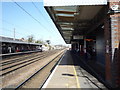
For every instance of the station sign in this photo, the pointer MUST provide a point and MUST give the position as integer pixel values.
(77, 37)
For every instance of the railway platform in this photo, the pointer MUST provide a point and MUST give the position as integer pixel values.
(69, 74)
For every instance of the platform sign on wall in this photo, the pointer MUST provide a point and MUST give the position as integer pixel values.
(77, 37)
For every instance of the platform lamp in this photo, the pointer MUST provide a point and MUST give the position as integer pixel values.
(114, 10)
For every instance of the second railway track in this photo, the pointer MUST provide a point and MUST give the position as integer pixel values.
(9, 67)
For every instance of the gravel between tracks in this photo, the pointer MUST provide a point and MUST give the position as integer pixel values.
(13, 79)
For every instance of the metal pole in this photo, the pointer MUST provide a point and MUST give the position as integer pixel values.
(14, 33)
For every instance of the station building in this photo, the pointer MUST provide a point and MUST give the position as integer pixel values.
(11, 45)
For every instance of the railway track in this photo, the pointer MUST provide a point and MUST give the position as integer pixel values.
(37, 79)
(9, 59)
(17, 63)
(18, 55)
(19, 59)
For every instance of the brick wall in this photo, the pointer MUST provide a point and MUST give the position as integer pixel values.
(115, 38)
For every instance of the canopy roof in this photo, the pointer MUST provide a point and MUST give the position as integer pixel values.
(74, 22)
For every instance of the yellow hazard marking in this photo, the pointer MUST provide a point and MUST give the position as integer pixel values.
(78, 85)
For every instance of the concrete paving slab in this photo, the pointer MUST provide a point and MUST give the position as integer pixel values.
(68, 75)
(64, 76)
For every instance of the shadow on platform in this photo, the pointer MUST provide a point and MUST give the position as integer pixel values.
(92, 67)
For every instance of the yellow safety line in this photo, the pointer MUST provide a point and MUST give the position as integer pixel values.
(78, 85)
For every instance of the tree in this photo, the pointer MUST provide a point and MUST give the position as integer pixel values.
(45, 44)
(31, 38)
(48, 41)
(39, 41)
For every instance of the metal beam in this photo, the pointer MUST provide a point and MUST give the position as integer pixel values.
(65, 12)
(64, 18)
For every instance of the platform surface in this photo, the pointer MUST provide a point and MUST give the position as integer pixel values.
(68, 75)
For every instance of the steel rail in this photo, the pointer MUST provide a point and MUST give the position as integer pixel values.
(33, 60)
(29, 54)
(23, 59)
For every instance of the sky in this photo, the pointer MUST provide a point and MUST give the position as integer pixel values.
(39, 24)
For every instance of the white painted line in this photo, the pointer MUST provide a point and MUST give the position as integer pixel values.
(48, 80)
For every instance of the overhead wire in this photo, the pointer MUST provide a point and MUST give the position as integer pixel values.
(20, 34)
(32, 15)
(40, 12)
(29, 14)
(19, 27)
(13, 24)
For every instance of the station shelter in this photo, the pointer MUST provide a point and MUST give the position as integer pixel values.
(91, 26)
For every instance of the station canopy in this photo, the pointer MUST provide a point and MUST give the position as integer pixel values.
(75, 18)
